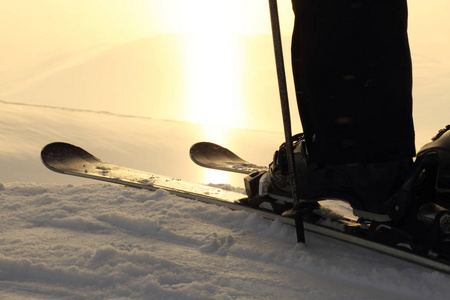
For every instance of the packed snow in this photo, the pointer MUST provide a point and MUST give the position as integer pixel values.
(65, 237)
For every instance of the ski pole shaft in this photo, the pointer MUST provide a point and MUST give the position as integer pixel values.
(282, 86)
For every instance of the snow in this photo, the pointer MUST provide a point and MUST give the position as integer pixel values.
(65, 237)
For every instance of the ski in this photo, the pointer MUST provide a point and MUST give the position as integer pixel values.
(72, 160)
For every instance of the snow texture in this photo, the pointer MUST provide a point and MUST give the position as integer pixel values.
(63, 237)
(105, 241)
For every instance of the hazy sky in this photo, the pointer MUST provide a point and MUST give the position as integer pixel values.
(84, 21)
(31, 28)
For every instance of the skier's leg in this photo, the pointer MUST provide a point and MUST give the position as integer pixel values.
(353, 78)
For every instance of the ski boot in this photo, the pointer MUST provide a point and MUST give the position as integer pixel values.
(365, 187)
(272, 189)
(399, 203)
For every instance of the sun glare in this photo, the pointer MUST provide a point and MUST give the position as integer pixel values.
(213, 67)
(232, 16)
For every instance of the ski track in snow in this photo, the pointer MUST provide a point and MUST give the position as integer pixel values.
(104, 241)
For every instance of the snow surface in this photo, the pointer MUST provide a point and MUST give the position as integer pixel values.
(64, 237)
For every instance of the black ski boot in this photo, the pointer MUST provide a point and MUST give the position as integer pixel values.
(366, 187)
(274, 187)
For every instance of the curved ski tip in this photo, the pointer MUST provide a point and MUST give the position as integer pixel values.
(198, 149)
(60, 151)
(203, 152)
(208, 148)
(201, 148)
(204, 146)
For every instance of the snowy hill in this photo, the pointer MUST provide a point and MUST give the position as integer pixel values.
(63, 237)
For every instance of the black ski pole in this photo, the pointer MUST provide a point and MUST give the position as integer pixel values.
(281, 74)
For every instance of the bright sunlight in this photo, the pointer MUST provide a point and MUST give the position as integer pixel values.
(213, 64)
(213, 73)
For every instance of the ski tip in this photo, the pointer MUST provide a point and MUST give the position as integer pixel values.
(211, 151)
(53, 154)
(210, 155)
(205, 147)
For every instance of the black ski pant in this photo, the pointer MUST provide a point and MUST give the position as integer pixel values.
(353, 77)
